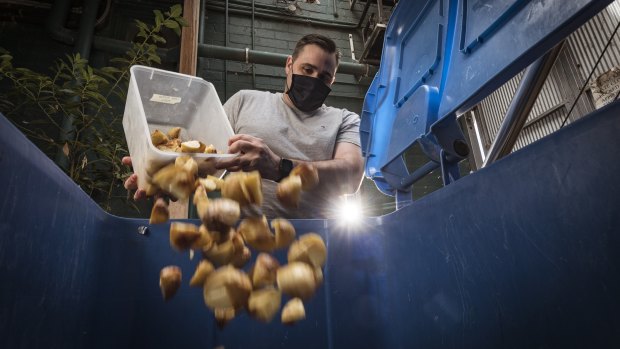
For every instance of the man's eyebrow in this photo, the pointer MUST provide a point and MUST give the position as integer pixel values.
(310, 65)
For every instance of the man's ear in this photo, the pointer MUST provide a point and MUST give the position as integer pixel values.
(288, 68)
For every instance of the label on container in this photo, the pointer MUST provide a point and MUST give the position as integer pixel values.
(165, 99)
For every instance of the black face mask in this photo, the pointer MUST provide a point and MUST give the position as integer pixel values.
(307, 93)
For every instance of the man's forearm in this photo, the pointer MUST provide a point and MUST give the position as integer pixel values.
(342, 176)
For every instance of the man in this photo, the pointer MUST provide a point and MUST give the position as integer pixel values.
(277, 131)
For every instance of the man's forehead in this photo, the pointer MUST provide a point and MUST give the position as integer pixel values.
(315, 55)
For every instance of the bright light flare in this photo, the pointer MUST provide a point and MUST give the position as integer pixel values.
(349, 210)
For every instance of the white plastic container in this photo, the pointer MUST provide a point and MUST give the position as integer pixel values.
(159, 99)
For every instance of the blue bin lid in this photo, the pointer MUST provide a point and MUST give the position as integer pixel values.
(439, 59)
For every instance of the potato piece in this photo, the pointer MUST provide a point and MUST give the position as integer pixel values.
(293, 311)
(173, 145)
(318, 276)
(151, 189)
(201, 209)
(210, 149)
(203, 270)
(200, 195)
(192, 147)
(167, 147)
(289, 191)
(232, 188)
(297, 280)
(158, 138)
(308, 174)
(204, 242)
(183, 235)
(159, 213)
(256, 233)
(309, 249)
(187, 163)
(245, 188)
(223, 316)
(264, 304)
(284, 231)
(201, 200)
(221, 236)
(263, 273)
(241, 257)
(221, 214)
(169, 281)
(218, 181)
(227, 287)
(224, 253)
(175, 181)
(207, 183)
(174, 132)
(220, 254)
(252, 188)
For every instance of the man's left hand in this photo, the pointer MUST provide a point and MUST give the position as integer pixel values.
(253, 155)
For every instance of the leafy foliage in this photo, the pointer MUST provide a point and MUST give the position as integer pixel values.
(90, 100)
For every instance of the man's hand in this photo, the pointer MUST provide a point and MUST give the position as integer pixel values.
(131, 183)
(254, 154)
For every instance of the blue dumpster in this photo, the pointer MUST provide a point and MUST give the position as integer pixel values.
(522, 254)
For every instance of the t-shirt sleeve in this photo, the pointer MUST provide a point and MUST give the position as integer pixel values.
(232, 107)
(349, 129)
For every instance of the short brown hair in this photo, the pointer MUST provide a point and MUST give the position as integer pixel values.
(323, 42)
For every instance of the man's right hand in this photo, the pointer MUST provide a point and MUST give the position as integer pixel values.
(131, 183)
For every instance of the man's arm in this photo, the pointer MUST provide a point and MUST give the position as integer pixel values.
(342, 174)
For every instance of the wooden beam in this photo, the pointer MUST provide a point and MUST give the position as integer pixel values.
(187, 65)
(189, 38)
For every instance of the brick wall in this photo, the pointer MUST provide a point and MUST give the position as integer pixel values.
(280, 36)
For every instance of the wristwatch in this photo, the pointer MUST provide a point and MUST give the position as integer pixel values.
(285, 167)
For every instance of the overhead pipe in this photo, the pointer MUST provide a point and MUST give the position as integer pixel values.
(276, 59)
(60, 10)
(56, 22)
(335, 9)
(227, 39)
(58, 32)
(82, 45)
(252, 28)
(521, 105)
(56, 29)
(235, 8)
(86, 33)
(364, 12)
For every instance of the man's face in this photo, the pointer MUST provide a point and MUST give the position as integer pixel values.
(312, 61)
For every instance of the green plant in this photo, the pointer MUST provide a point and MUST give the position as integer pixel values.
(90, 100)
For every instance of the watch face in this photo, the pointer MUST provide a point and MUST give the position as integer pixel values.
(286, 166)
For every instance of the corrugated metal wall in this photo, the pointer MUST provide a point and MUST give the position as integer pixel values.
(573, 66)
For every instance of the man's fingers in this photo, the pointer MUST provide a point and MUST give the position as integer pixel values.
(240, 146)
(227, 163)
(131, 182)
(241, 136)
(234, 169)
(139, 195)
(126, 160)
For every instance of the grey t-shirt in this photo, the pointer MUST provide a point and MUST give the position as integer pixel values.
(292, 134)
